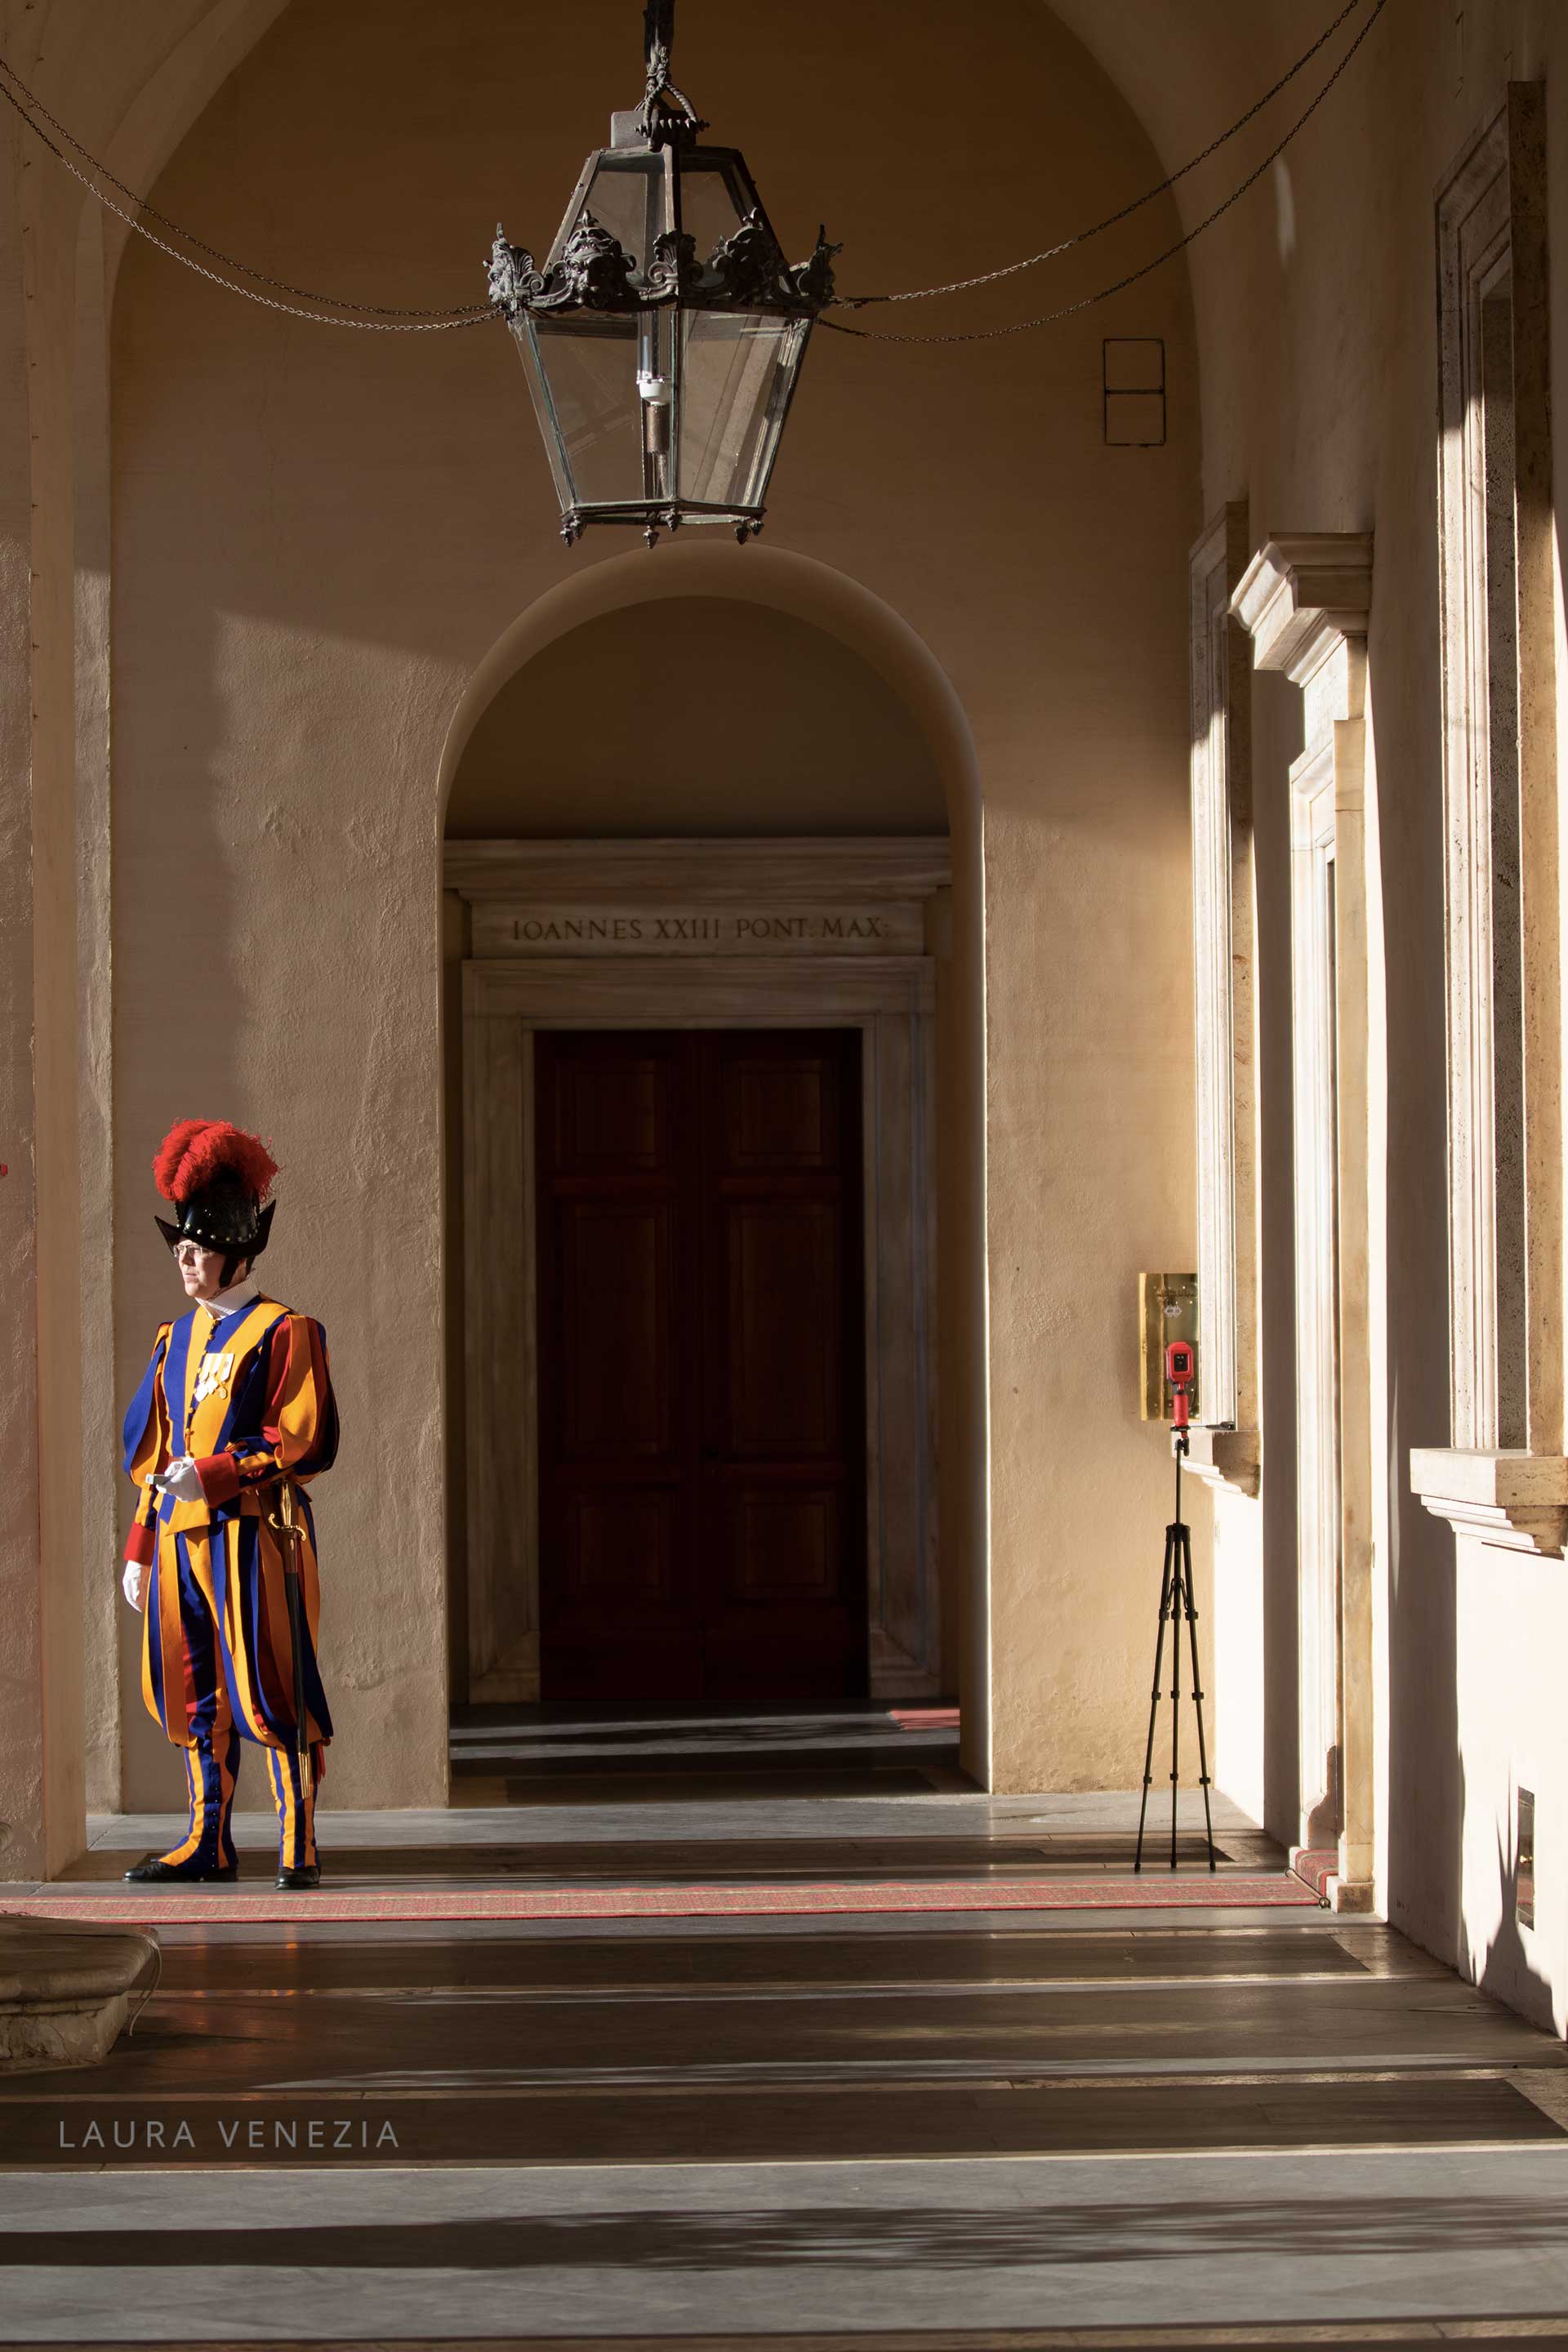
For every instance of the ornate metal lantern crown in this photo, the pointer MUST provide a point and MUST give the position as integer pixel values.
(664, 336)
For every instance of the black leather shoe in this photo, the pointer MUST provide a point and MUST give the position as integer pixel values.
(292, 1881)
(183, 1873)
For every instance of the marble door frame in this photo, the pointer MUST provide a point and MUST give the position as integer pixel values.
(890, 998)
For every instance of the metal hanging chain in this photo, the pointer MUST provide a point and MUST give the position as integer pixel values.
(376, 319)
(1112, 220)
(1087, 301)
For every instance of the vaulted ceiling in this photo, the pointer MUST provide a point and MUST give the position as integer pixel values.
(135, 77)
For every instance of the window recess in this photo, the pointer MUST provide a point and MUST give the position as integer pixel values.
(1503, 1477)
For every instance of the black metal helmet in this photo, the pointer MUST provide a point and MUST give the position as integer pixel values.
(218, 1178)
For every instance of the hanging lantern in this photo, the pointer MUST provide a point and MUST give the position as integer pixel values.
(664, 336)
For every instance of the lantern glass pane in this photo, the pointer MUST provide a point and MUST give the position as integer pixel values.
(629, 195)
(584, 377)
(545, 410)
(714, 201)
(737, 371)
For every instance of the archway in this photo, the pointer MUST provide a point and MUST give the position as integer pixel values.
(718, 821)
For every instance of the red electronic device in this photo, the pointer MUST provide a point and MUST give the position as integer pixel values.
(1176, 1603)
(1181, 1366)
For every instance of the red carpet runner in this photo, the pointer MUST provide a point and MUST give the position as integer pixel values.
(182, 1906)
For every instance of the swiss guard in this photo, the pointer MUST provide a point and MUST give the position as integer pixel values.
(233, 1417)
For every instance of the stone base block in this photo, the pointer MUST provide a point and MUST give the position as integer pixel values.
(65, 1992)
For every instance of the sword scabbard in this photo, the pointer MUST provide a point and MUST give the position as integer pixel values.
(292, 1533)
(291, 1525)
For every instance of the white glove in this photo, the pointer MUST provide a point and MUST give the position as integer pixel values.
(180, 1479)
(131, 1581)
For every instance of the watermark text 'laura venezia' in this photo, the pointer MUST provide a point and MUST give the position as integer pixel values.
(260, 2134)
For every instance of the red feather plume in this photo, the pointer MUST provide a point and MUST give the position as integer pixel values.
(198, 1151)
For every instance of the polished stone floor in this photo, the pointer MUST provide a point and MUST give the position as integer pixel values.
(1099, 2126)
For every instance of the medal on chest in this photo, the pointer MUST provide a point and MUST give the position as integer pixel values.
(209, 1395)
(213, 1376)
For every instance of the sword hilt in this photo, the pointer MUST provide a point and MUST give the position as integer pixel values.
(287, 1521)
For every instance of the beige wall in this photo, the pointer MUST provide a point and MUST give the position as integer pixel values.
(43, 1734)
(35, 1783)
(697, 715)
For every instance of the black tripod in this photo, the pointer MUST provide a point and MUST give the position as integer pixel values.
(1176, 1602)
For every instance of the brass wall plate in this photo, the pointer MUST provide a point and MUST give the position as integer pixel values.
(1167, 1310)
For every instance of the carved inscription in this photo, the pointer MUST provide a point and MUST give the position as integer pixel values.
(896, 927)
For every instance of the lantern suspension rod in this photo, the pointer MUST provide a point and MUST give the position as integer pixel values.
(657, 36)
(1146, 269)
(657, 43)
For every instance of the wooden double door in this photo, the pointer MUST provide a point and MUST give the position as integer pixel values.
(702, 1365)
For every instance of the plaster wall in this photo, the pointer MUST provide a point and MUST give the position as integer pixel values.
(1237, 1635)
(1509, 1715)
(697, 715)
(50, 290)
(318, 538)
(43, 1746)
(25, 1664)
(1316, 306)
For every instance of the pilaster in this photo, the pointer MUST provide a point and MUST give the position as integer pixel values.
(1306, 600)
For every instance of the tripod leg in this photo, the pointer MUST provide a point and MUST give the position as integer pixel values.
(1186, 1575)
(1174, 1540)
(1155, 1694)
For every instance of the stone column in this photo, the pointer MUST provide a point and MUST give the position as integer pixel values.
(42, 1818)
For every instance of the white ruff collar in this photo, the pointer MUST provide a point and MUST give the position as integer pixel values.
(229, 1302)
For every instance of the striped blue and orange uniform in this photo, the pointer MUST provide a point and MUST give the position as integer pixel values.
(245, 1395)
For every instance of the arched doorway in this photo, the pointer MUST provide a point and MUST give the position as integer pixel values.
(699, 981)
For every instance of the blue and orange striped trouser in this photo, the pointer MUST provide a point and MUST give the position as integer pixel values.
(212, 1765)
